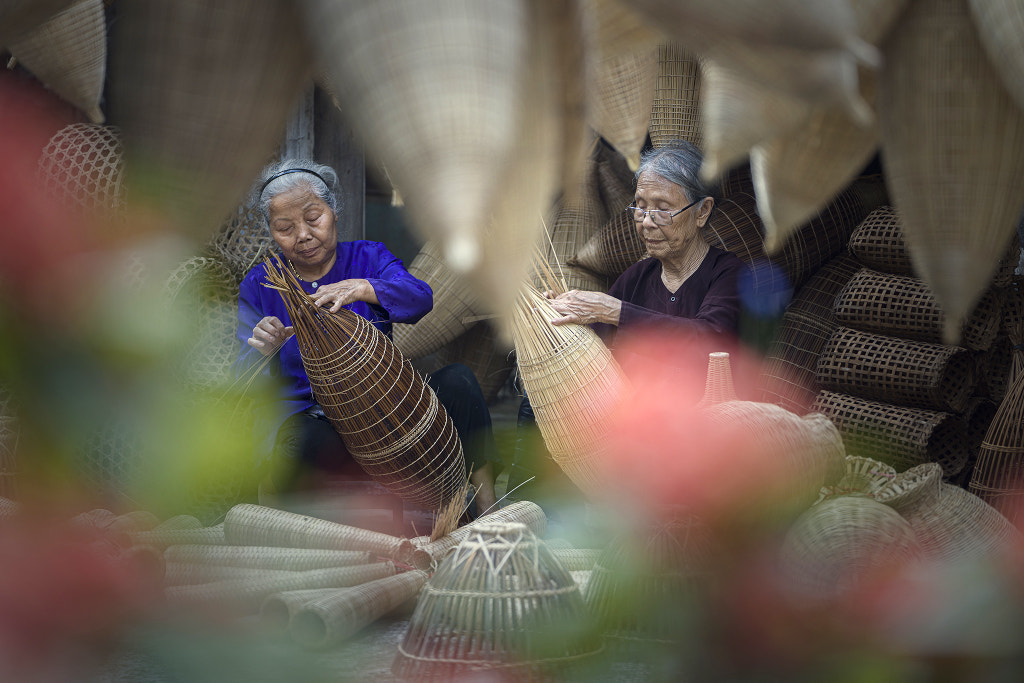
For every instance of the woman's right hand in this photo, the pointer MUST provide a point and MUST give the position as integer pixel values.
(269, 334)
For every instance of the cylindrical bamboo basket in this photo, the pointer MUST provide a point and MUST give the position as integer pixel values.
(502, 604)
(902, 306)
(900, 436)
(265, 557)
(675, 114)
(191, 574)
(162, 538)
(326, 621)
(278, 609)
(878, 243)
(897, 371)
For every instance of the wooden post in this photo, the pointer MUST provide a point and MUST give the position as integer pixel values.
(298, 136)
(335, 145)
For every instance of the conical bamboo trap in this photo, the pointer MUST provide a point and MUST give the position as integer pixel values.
(718, 386)
(501, 604)
(998, 476)
(390, 420)
(675, 113)
(951, 137)
(69, 54)
(574, 220)
(573, 384)
(615, 182)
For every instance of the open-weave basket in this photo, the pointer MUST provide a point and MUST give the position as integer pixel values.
(839, 542)
(788, 376)
(951, 524)
(499, 603)
(998, 476)
(573, 383)
(391, 421)
(265, 557)
(82, 166)
(878, 243)
(897, 371)
(643, 582)
(900, 436)
(902, 306)
(243, 240)
(330, 619)
(68, 54)
(675, 114)
(454, 303)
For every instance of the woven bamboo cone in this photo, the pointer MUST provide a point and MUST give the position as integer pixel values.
(998, 477)
(1000, 24)
(69, 54)
(950, 142)
(246, 595)
(676, 111)
(573, 383)
(265, 557)
(390, 420)
(278, 609)
(328, 621)
(247, 524)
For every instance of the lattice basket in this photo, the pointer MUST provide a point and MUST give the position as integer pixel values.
(878, 243)
(82, 165)
(675, 114)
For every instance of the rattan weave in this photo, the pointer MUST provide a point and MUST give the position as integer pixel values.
(897, 371)
(900, 436)
(950, 132)
(390, 420)
(247, 524)
(326, 621)
(265, 557)
(82, 166)
(68, 54)
(499, 603)
(999, 24)
(905, 307)
(675, 114)
(998, 476)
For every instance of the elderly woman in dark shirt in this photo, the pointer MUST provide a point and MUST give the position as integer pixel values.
(686, 286)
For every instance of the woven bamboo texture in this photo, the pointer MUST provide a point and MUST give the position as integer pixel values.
(840, 542)
(897, 371)
(247, 594)
(454, 302)
(482, 351)
(900, 436)
(278, 609)
(247, 524)
(265, 557)
(191, 574)
(998, 476)
(182, 90)
(9, 508)
(789, 374)
(575, 218)
(390, 420)
(243, 240)
(573, 383)
(905, 307)
(615, 182)
(82, 166)
(613, 248)
(643, 578)
(995, 366)
(68, 53)
(950, 134)
(582, 579)
(951, 524)
(500, 603)
(862, 475)
(878, 243)
(576, 559)
(163, 538)
(327, 621)
(999, 24)
(718, 385)
(675, 114)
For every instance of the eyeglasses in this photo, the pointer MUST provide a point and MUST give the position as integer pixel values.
(659, 216)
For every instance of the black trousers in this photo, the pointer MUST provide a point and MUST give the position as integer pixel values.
(308, 443)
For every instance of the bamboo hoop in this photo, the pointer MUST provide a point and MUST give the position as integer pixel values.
(265, 557)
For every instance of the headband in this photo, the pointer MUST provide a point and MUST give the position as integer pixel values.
(289, 171)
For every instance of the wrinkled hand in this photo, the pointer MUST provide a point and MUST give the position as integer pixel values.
(269, 334)
(339, 294)
(584, 308)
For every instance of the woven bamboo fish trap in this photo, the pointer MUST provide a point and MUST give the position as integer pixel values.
(327, 621)
(905, 307)
(675, 113)
(574, 220)
(482, 351)
(278, 609)
(390, 420)
(454, 303)
(68, 53)
(839, 542)
(789, 374)
(573, 383)
(613, 248)
(81, 166)
(265, 557)
(164, 537)
(247, 524)
(897, 371)
(878, 243)
(862, 475)
(243, 240)
(950, 141)
(1000, 24)
(898, 435)
(245, 595)
(950, 524)
(643, 581)
(499, 603)
(190, 574)
(193, 85)
(998, 476)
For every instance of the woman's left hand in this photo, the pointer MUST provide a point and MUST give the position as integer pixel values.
(585, 308)
(338, 294)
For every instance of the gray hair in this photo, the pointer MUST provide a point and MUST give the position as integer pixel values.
(678, 162)
(325, 186)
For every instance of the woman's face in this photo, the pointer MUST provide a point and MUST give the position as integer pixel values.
(674, 240)
(305, 229)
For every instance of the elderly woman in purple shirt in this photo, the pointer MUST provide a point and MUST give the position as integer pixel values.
(298, 200)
